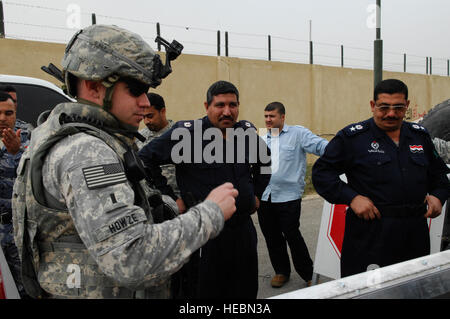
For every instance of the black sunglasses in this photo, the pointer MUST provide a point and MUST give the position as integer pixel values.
(136, 87)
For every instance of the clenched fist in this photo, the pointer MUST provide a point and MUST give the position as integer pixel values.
(224, 196)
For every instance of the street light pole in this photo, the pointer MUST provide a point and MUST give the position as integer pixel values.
(378, 48)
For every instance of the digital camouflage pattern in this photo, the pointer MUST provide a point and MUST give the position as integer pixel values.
(168, 170)
(443, 149)
(100, 51)
(107, 233)
(8, 166)
(150, 135)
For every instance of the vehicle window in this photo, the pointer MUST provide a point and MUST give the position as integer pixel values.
(35, 99)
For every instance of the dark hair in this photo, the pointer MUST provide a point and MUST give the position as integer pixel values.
(156, 101)
(5, 96)
(278, 106)
(221, 87)
(390, 86)
(7, 88)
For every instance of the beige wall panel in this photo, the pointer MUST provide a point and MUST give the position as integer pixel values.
(262, 82)
(184, 90)
(419, 92)
(21, 57)
(341, 97)
(322, 98)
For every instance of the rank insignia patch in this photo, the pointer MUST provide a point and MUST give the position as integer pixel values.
(104, 175)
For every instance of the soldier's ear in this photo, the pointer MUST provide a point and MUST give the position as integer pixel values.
(92, 91)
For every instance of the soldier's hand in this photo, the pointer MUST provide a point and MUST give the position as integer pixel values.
(434, 206)
(364, 208)
(11, 140)
(224, 196)
(181, 206)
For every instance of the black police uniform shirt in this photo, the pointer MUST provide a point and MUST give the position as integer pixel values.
(377, 168)
(196, 180)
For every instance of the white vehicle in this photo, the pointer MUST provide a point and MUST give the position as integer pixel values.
(34, 96)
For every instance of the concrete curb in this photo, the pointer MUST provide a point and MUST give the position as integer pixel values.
(311, 196)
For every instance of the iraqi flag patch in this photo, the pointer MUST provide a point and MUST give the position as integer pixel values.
(104, 175)
(416, 148)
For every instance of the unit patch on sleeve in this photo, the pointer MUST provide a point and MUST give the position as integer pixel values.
(104, 175)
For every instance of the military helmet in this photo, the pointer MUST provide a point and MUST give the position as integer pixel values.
(107, 53)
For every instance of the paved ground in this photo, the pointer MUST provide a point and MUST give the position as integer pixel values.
(309, 227)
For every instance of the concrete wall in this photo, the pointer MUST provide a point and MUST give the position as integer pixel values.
(21, 57)
(322, 98)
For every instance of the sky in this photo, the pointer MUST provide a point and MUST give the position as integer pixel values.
(417, 28)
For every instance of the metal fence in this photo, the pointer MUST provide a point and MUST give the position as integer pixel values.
(202, 41)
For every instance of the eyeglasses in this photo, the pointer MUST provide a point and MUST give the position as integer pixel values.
(387, 107)
(136, 87)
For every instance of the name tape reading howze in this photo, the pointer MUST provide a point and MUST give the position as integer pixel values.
(118, 225)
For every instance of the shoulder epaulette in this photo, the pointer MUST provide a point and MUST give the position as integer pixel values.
(356, 128)
(186, 124)
(245, 124)
(417, 127)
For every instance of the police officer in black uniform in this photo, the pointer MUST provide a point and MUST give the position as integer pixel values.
(227, 266)
(395, 180)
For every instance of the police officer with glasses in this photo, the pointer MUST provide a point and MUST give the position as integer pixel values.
(395, 181)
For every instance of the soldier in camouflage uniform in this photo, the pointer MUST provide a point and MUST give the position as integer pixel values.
(443, 149)
(82, 219)
(156, 124)
(14, 139)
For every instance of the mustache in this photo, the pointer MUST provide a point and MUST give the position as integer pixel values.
(226, 117)
(391, 118)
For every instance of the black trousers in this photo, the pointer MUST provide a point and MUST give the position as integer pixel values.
(280, 225)
(225, 267)
(382, 242)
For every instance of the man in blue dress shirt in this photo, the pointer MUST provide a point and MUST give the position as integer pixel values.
(279, 212)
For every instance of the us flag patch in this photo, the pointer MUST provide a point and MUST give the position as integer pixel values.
(104, 175)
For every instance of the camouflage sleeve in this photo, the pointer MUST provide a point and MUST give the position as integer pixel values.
(443, 149)
(118, 234)
(168, 170)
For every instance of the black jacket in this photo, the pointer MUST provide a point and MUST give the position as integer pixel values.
(202, 163)
(376, 168)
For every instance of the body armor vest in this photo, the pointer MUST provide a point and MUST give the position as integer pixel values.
(52, 252)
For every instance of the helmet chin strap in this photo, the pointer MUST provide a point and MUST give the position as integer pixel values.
(109, 83)
(107, 100)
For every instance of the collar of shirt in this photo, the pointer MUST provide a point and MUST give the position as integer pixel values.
(164, 129)
(206, 123)
(146, 132)
(285, 129)
(405, 132)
